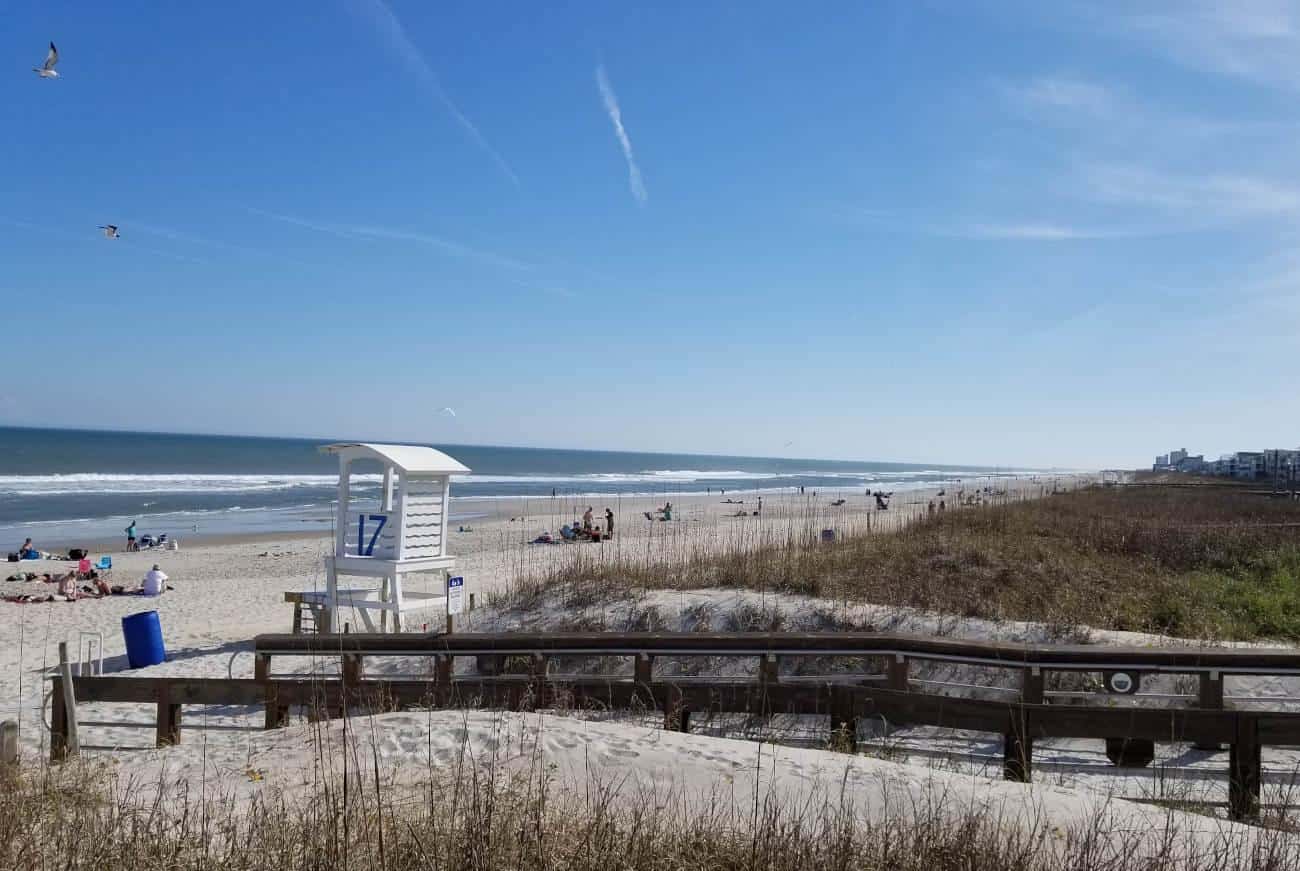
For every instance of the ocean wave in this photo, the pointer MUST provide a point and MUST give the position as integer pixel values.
(94, 483)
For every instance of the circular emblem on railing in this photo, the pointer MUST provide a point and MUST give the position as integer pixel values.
(1121, 682)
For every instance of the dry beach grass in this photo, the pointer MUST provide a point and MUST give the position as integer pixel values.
(1206, 562)
(482, 814)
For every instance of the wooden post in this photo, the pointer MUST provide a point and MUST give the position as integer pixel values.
(1018, 749)
(1031, 685)
(769, 669)
(643, 669)
(262, 667)
(9, 743)
(537, 673)
(898, 673)
(58, 723)
(169, 718)
(1244, 770)
(352, 669)
(844, 721)
(677, 718)
(1210, 698)
(73, 744)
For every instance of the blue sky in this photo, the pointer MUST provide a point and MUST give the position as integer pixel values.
(1016, 233)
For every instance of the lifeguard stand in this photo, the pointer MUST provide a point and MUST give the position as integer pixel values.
(399, 534)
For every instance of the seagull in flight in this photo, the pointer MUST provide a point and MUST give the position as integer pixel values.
(110, 231)
(47, 70)
(449, 411)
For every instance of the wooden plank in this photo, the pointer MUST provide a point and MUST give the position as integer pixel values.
(991, 653)
(185, 691)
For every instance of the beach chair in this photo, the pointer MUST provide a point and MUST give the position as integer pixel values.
(105, 564)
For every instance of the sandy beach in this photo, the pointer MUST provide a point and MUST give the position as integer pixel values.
(227, 591)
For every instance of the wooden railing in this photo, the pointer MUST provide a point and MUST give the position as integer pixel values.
(888, 693)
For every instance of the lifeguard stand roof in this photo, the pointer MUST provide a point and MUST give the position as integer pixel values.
(409, 459)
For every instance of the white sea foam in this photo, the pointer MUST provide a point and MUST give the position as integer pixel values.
(93, 483)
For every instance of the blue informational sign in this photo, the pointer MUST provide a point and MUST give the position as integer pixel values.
(455, 595)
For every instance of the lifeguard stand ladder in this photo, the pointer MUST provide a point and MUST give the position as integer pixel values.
(401, 533)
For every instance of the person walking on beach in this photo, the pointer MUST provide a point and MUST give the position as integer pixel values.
(609, 522)
(130, 536)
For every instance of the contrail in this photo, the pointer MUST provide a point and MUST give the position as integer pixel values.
(390, 28)
(616, 118)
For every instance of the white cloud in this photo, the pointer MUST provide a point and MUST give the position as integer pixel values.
(1064, 93)
(616, 118)
(1257, 40)
(390, 29)
(1032, 232)
(1200, 197)
(993, 230)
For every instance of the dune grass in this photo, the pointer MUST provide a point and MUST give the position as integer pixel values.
(1205, 562)
(485, 817)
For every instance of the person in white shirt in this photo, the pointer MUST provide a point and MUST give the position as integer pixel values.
(153, 582)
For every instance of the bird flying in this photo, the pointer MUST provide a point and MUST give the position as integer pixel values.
(449, 411)
(47, 70)
(110, 231)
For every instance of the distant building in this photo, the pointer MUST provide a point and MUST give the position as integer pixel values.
(1274, 464)
(1282, 464)
(1249, 465)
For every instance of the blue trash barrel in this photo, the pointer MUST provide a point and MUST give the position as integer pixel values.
(144, 641)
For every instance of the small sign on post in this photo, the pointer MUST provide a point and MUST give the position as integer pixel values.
(455, 595)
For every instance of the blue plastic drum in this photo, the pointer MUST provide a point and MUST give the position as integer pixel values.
(144, 641)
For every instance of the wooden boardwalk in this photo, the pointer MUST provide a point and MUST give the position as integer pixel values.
(523, 670)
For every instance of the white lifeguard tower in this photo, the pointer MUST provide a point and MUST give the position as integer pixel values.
(401, 533)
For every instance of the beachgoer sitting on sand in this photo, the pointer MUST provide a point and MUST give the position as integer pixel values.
(568, 533)
(102, 587)
(153, 582)
(68, 585)
(544, 538)
(28, 551)
(881, 505)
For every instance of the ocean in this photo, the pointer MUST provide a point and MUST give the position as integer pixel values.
(61, 486)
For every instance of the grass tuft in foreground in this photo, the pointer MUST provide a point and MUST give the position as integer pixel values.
(477, 819)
